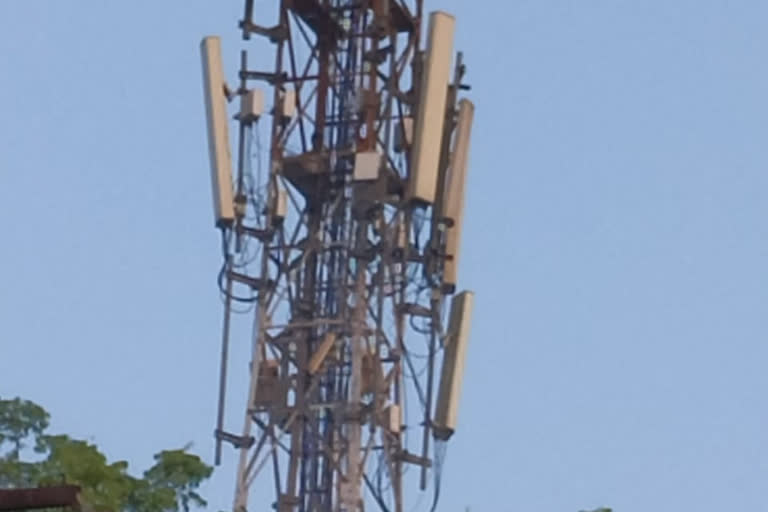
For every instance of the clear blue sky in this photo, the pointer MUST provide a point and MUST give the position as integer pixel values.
(617, 240)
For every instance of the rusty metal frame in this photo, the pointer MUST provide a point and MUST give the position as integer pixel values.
(302, 258)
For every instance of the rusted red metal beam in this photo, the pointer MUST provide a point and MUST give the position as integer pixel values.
(43, 497)
(317, 16)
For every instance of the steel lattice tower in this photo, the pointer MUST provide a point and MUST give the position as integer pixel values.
(347, 247)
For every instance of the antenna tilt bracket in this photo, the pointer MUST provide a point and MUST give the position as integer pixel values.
(237, 441)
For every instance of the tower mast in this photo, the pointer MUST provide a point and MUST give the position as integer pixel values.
(346, 248)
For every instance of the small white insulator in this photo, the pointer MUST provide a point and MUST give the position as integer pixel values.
(281, 206)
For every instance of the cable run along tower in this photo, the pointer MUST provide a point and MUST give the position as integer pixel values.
(342, 238)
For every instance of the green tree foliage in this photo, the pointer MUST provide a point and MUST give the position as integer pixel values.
(170, 485)
(181, 473)
(20, 419)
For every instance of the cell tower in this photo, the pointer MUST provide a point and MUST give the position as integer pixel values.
(346, 246)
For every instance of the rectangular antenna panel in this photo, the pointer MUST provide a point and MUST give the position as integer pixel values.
(453, 207)
(252, 105)
(428, 135)
(447, 410)
(367, 166)
(218, 135)
(287, 107)
(394, 418)
(281, 203)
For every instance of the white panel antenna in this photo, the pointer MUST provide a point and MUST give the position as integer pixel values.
(428, 135)
(447, 410)
(218, 134)
(453, 206)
